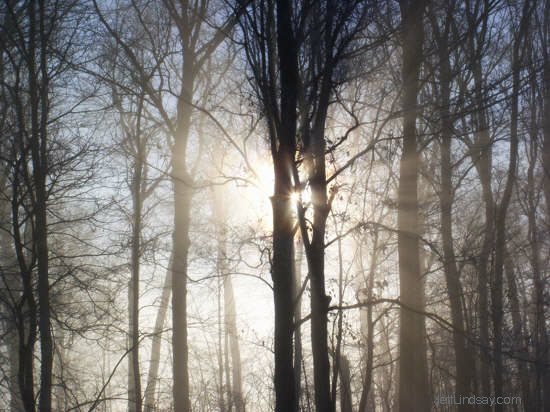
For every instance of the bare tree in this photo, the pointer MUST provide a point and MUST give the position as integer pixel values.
(413, 369)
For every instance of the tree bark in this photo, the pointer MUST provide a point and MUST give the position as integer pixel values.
(183, 192)
(369, 338)
(231, 325)
(134, 378)
(282, 266)
(283, 146)
(518, 336)
(346, 404)
(154, 362)
(464, 363)
(297, 316)
(39, 114)
(543, 358)
(413, 372)
(500, 224)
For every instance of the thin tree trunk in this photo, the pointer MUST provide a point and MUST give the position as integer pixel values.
(413, 371)
(134, 381)
(543, 359)
(12, 344)
(539, 324)
(231, 328)
(179, 296)
(234, 384)
(339, 324)
(518, 336)
(464, 364)
(481, 153)
(220, 351)
(13, 286)
(369, 338)
(500, 241)
(59, 364)
(154, 362)
(464, 361)
(39, 112)
(319, 310)
(483, 164)
(297, 316)
(26, 310)
(183, 192)
(346, 404)
(314, 159)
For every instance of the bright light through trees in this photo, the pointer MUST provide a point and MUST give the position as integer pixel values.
(274, 205)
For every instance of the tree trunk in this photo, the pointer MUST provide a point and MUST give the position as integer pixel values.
(283, 147)
(297, 316)
(366, 393)
(520, 344)
(179, 297)
(221, 349)
(154, 363)
(134, 378)
(500, 224)
(544, 351)
(463, 361)
(8, 262)
(345, 386)
(230, 314)
(319, 310)
(26, 309)
(182, 209)
(39, 112)
(464, 364)
(481, 154)
(231, 328)
(282, 267)
(413, 371)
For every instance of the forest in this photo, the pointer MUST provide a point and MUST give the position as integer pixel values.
(274, 205)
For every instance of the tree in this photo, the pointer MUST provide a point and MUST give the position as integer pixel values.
(413, 369)
(189, 21)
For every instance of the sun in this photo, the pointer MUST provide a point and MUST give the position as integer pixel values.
(303, 196)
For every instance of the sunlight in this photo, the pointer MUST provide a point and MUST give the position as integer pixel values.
(264, 177)
(303, 196)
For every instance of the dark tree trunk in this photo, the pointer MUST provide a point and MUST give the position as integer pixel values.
(39, 111)
(26, 310)
(520, 343)
(297, 316)
(134, 381)
(282, 274)
(369, 338)
(283, 146)
(183, 192)
(413, 372)
(346, 404)
(543, 358)
(319, 310)
(179, 298)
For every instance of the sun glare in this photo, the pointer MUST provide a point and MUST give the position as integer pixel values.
(264, 178)
(304, 196)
